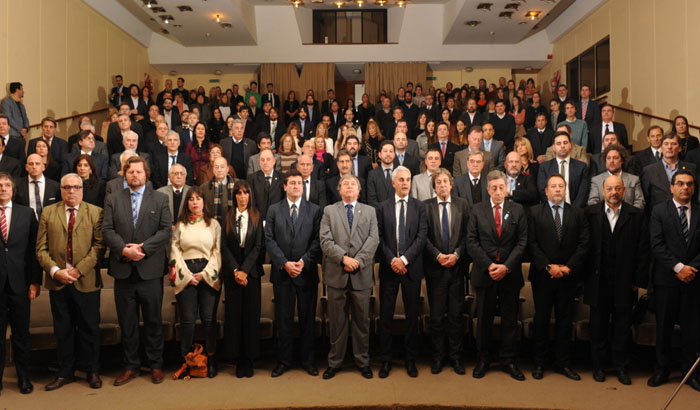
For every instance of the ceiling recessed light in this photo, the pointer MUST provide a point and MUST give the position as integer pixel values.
(468, 69)
(172, 72)
(484, 6)
(380, 2)
(157, 9)
(207, 35)
(506, 14)
(512, 6)
(356, 71)
(184, 8)
(493, 33)
(472, 23)
(218, 18)
(226, 25)
(532, 14)
(339, 3)
(217, 72)
(166, 18)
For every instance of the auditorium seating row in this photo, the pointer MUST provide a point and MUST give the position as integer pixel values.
(42, 334)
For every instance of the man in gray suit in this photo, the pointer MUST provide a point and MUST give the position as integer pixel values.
(176, 190)
(349, 239)
(615, 158)
(236, 154)
(475, 143)
(137, 228)
(264, 142)
(495, 147)
(13, 108)
(422, 185)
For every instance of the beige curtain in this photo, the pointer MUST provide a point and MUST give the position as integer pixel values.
(318, 77)
(391, 76)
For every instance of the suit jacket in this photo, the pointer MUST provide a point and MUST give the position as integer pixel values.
(58, 149)
(450, 151)
(99, 160)
(317, 192)
(459, 166)
(478, 119)
(379, 188)
(540, 143)
(598, 131)
(498, 152)
(692, 156)
(486, 247)
(432, 113)
(140, 107)
(546, 248)
(117, 100)
(280, 130)
(117, 184)
(15, 149)
(338, 240)
(254, 163)
(462, 188)
(416, 234)
(326, 106)
(577, 152)
(159, 172)
(175, 119)
(249, 149)
(525, 192)
(18, 264)
(364, 165)
(655, 183)
(264, 194)
(275, 100)
(16, 113)
(100, 148)
(115, 164)
(289, 242)
(504, 129)
(629, 253)
(114, 138)
(332, 194)
(646, 157)
(169, 192)
(246, 259)
(10, 165)
(592, 112)
(634, 195)
(88, 245)
(422, 187)
(153, 229)
(459, 220)
(579, 182)
(52, 192)
(308, 130)
(409, 161)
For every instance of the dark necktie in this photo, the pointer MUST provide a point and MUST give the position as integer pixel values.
(557, 221)
(658, 155)
(173, 160)
(37, 199)
(306, 182)
(387, 174)
(445, 228)
(294, 214)
(69, 246)
(348, 208)
(269, 181)
(239, 220)
(684, 222)
(402, 228)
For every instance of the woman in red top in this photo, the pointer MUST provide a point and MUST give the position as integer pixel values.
(198, 150)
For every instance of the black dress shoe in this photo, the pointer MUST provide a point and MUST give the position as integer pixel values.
(25, 386)
(538, 372)
(694, 383)
(411, 368)
(480, 369)
(240, 370)
(458, 367)
(599, 375)
(212, 371)
(330, 372)
(623, 377)
(385, 370)
(512, 369)
(310, 369)
(436, 367)
(249, 369)
(58, 383)
(279, 370)
(366, 372)
(568, 373)
(657, 379)
(94, 381)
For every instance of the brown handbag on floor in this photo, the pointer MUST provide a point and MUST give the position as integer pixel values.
(195, 364)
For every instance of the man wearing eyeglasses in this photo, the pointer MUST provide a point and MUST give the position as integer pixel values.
(176, 190)
(656, 178)
(70, 258)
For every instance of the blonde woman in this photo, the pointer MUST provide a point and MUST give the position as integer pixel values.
(322, 131)
(527, 156)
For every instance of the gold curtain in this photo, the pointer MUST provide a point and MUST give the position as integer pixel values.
(316, 76)
(391, 76)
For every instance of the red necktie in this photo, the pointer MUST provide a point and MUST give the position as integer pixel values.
(69, 247)
(442, 146)
(3, 223)
(497, 220)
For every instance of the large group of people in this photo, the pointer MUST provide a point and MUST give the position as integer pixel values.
(449, 186)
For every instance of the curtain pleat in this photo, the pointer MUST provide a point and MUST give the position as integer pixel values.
(390, 76)
(318, 77)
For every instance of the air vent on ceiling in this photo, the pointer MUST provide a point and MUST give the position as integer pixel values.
(484, 6)
(472, 23)
(225, 25)
(506, 14)
(512, 6)
(184, 8)
(157, 9)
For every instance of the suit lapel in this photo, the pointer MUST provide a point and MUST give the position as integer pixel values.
(80, 216)
(624, 217)
(143, 209)
(343, 217)
(171, 195)
(60, 208)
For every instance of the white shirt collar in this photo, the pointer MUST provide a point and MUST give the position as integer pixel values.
(297, 202)
(9, 205)
(398, 198)
(66, 207)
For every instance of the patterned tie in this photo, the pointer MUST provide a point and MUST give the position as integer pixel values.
(134, 209)
(37, 199)
(294, 214)
(443, 147)
(445, 228)
(684, 221)
(69, 245)
(497, 218)
(348, 208)
(3, 223)
(402, 228)
(562, 169)
(584, 108)
(557, 221)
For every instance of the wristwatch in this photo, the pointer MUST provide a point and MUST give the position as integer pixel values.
(548, 267)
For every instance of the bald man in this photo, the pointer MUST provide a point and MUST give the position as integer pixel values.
(35, 190)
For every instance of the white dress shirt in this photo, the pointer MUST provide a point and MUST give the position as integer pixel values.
(242, 224)
(566, 175)
(42, 188)
(397, 201)
(613, 215)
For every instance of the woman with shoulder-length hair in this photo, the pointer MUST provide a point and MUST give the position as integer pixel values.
(93, 188)
(242, 243)
(195, 254)
(688, 142)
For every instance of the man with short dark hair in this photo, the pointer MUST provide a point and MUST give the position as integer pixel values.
(540, 137)
(327, 104)
(446, 147)
(653, 153)
(86, 142)
(472, 186)
(379, 186)
(586, 108)
(343, 162)
(116, 130)
(118, 94)
(271, 97)
(14, 145)
(58, 147)
(604, 126)
(656, 178)
(13, 107)
(574, 172)
(503, 125)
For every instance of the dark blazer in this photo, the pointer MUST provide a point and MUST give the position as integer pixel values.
(504, 129)
(478, 119)
(153, 229)
(596, 136)
(462, 188)
(525, 192)
(459, 219)
(416, 234)
(379, 188)
(592, 112)
(249, 149)
(410, 162)
(364, 165)
(52, 192)
(117, 100)
(275, 100)
(99, 160)
(175, 119)
(140, 107)
(332, 194)
(114, 138)
(485, 246)
(159, 172)
(58, 149)
(11, 166)
(546, 249)
(646, 157)
(317, 192)
(115, 164)
(15, 149)
(117, 185)
(540, 142)
(630, 253)
(579, 181)
(263, 195)
(309, 129)
(18, 264)
(186, 136)
(667, 245)
(233, 257)
(656, 185)
(450, 151)
(432, 113)
(326, 106)
(281, 128)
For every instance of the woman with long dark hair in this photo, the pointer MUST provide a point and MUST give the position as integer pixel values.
(217, 126)
(688, 142)
(426, 138)
(242, 243)
(291, 107)
(93, 188)
(52, 169)
(198, 149)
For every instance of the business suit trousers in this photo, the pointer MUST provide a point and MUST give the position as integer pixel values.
(559, 295)
(348, 310)
(388, 291)
(508, 297)
(602, 339)
(242, 318)
(677, 305)
(14, 309)
(191, 299)
(446, 296)
(287, 296)
(76, 324)
(130, 295)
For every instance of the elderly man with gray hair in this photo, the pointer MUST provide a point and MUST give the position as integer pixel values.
(130, 141)
(237, 149)
(176, 188)
(164, 159)
(118, 183)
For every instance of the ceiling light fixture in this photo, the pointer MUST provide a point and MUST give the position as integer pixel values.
(297, 3)
(360, 2)
(472, 23)
(148, 5)
(339, 3)
(380, 3)
(218, 19)
(532, 14)
(400, 3)
(506, 14)
(484, 6)
(511, 6)
(225, 25)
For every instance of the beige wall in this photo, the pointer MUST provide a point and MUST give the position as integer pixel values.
(225, 80)
(654, 55)
(459, 77)
(65, 54)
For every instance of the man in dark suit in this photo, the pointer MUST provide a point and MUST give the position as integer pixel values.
(267, 184)
(361, 164)
(454, 112)
(491, 145)
(521, 188)
(335, 119)
(149, 125)
(343, 162)
(445, 258)
(9, 164)
(605, 126)
(314, 190)
(430, 109)
(14, 145)
(326, 104)
(312, 110)
(137, 105)
(73, 280)
(86, 142)
(163, 160)
(271, 97)
(446, 147)
(379, 186)
(533, 110)
(496, 241)
(503, 125)
(471, 116)
(238, 149)
(137, 229)
(653, 154)
(274, 126)
(307, 129)
(35, 190)
(401, 157)
(176, 190)
(540, 137)
(472, 186)
(402, 230)
(390, 127)
(618, 265)
(20, 279)
(574, 172)
(116, 130)
(558, 241)
(130, 142)
(58, 147)
(675, 246)
(119, 92)
(656, 178)
(160, 98)
(187, 133)
(292, 240)
(171, 116)
(586, 108)
(410, 110)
